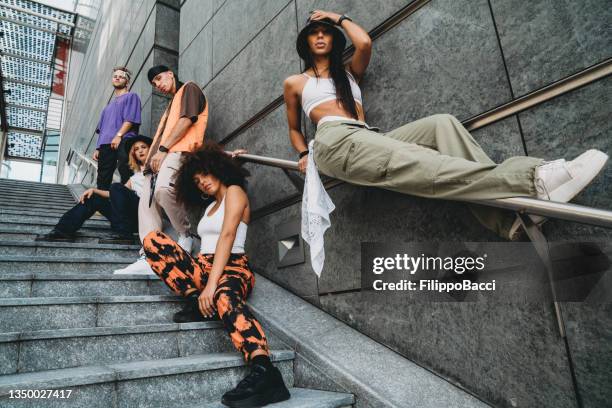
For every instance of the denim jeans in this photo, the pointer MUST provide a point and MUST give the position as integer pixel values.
(121, 209)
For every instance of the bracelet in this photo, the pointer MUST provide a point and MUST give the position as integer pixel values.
(342, 18)
(304, 153)
(163, 149)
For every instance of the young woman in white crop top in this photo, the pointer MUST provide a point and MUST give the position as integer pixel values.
(434, 157)
(218, 282)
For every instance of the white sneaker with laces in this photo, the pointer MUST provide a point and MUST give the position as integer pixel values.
(564, 181)
(561, 181)
(185, 241)
(140, 267)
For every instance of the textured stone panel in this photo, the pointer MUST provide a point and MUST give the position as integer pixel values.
(565, 127)
(501, 140)
(365, 13)
(268, 137)
(8, 358)
(10, 289)
(195, 14)
(44, 288)
(195, 63)
(264, 63)
(42, 317)
(79, 351)
(236, 23)
(544, 41)
(166, 33)
(501, 352)
(128, 314)
(442, 59)
(589, 333)
(261, 246)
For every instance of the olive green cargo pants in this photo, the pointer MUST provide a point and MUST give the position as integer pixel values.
(434, 157)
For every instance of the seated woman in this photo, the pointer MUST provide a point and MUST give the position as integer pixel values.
(119, 205)
(433, 157)
(217, 283)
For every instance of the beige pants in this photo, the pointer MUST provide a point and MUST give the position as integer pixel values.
(434, 157)
(150, 216)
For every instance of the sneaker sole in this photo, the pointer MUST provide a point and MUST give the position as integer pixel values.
(259, 400)
(565, 192)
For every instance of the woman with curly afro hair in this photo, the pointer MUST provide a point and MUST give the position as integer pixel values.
(217, 282)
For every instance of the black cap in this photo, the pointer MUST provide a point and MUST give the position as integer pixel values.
(301, 44)
(138, 138)
(156, 70)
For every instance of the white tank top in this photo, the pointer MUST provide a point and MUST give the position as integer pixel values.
(319, 90)
(209, 230)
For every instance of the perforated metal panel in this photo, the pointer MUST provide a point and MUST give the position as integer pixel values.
(24, 145)
(28, 44)
(25, 118)
(34, 72)
(28, 96)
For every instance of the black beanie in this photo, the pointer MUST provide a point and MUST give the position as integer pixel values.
(156, 70)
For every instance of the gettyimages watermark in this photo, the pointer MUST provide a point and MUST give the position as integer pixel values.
(488, 271)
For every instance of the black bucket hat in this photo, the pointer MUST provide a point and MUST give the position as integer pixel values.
(301, 45)
(139, 138)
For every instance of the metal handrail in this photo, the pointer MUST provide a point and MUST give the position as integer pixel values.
(552, 209)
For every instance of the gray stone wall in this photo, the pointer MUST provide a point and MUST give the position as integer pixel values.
(459, 57)
(137, 34)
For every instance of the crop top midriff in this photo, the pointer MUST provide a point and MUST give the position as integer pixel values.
(319, 90)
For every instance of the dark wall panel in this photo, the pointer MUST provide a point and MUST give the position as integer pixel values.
(565, 127)
(544, 41)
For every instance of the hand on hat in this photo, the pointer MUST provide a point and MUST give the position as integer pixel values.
(317, 15)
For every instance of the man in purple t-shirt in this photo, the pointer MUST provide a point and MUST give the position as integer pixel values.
(119, 121)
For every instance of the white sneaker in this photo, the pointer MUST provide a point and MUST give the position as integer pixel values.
(140, 267)
(561, 181)
(185, 241)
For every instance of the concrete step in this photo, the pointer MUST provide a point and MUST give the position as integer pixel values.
(25, 205)
(4, 183)
(71, 285)
(56, 264)
(301, 398)
(39, 350)
(150, 383)
(37, 201)
(64, 195)
(56, 215)
(21, 314)
(68, 249)
(46, 220)
(18, 233)
(46, 225)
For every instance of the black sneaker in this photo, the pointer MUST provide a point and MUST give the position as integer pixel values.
(263, 386)
(56, 236)
(191, 312)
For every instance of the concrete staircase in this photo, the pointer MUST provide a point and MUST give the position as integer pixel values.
(67, 323)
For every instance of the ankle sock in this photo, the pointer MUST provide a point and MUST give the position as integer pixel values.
(262, 360)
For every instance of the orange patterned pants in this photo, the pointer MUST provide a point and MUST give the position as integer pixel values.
(182, 273)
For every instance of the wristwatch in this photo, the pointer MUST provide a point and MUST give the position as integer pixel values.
(163, 149)
(119, 134)
(342, 18)
(304, 153)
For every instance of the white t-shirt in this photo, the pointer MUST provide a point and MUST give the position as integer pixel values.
(138, 180)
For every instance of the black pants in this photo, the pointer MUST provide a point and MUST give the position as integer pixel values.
(108, 161)
(121, 209)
